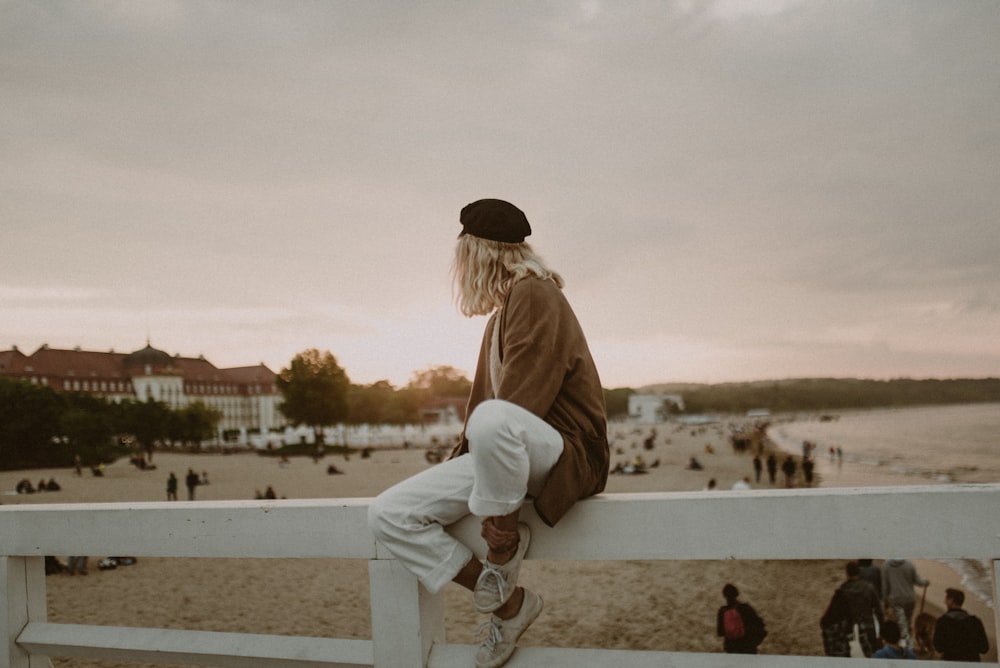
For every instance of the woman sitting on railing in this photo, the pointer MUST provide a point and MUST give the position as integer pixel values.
(536, 427)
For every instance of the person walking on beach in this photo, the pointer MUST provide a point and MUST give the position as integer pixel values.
(191, 480)
(899, 576)
(171, 487)
(863, 608)
(535, 426)
(772, 467)
(789, 468)
(959, 636)
(741, 628)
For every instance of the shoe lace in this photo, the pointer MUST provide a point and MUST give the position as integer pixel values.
(492, 580)
(490, 633)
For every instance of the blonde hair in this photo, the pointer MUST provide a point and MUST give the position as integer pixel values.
(484, 271)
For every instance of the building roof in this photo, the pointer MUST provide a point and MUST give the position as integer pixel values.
(57, 363)
(11, 361)
(81, 363)
(251, 374)
(149, 356)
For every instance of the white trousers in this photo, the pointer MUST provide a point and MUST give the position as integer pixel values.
(511, 452)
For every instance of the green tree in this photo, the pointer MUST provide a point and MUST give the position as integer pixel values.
(371, 404)
(194, 423)
(316, 391)
(441, 381)
(148, 421)
(29, 424)
(87, 429)
(405, 405)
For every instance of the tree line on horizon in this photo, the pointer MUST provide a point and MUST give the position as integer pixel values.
(40, 427)
(828, 394)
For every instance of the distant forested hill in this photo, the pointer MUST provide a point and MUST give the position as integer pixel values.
(814, 394)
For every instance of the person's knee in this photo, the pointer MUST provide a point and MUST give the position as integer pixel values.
(487, 420)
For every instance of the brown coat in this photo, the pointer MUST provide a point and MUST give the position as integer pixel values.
(546, 367)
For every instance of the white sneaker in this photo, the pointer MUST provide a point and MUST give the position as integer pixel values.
(502, 634)
(496, 583)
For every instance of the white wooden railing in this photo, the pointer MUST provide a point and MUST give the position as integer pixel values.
(408, 622)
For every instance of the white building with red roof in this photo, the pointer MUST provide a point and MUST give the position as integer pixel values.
(247, 397)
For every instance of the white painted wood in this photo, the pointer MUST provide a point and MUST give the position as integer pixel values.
(196, 648)
(264, 529)
(462, 656)
(13, 611)
(34, 576)
(37, 603)
(841, 523)
(996, 599)
(23, 582)
(406, 620)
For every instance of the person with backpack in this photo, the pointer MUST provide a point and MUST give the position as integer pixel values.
(958, 635)
(741, 628)
(855, 603)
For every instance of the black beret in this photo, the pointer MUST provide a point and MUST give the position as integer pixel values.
(496, 220)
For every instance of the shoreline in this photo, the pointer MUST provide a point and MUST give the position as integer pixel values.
(330, 598)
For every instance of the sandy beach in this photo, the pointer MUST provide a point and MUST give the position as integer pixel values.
(635, 605)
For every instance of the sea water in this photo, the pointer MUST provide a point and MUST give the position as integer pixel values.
(940, 443)
(905, 446)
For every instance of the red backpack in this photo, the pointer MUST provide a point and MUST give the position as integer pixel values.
(732, 624)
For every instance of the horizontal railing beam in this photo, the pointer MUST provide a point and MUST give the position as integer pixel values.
(922, 522)
(195, 648)
(463, 656)
(262, 529)
(762, 524)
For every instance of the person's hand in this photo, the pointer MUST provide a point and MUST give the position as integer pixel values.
(498, 540)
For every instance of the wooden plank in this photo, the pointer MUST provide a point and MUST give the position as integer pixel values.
(265, 529)
(839, 523)
(13, 610)
(463, 656)
(996, 599)
(768, 524)
(406, 618)
(195, 648)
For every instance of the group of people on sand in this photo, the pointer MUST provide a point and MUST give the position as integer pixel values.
(875, 605)
(24, 486)
(192, 481)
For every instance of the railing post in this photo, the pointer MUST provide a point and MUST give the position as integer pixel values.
(406, 618)
(996, 602)
(23, 583)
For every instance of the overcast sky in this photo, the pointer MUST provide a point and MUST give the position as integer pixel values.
(732, 190)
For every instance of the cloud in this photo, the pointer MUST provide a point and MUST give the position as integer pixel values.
(706, 175)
